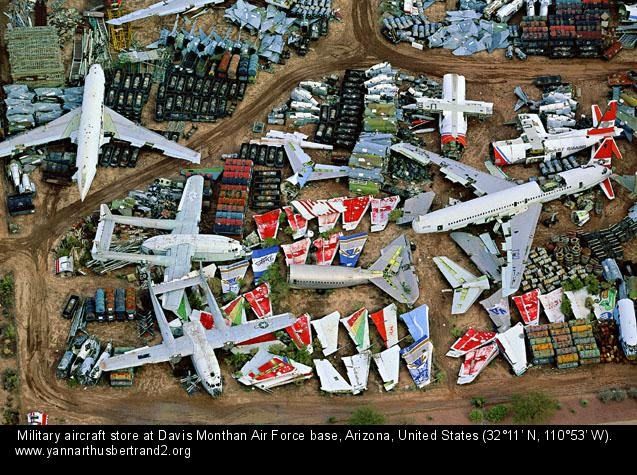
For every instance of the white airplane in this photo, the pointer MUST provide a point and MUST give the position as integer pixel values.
(516, 207)
(467, 287)
(453, 109)
(197, 342)
(175, 251)
(163, 8)
(304, 168)
(90, 127)
(537, 145)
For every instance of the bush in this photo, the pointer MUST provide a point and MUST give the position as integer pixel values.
(6, 290)
(478, 401)
(456, 332)
(476, 416)
(366, 416)
(279, 287)
(292, 352)
(10, 380)
(613, 394)
(11, 417)
(565, 307)
(592, 284)
(270, 242)
(533, 408)
(577, 283)
(237, 360)
(395, 215)
(497, 413)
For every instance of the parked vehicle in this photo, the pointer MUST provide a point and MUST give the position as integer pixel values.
(71, 306)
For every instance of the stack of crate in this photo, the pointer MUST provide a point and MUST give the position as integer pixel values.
(541, 345)
(233, 197)
(535, 35)
(584, 340)
(565, 351)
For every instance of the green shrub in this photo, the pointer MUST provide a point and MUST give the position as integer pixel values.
(533, 408)
(476, 416)
(497, 413)
(366, 416)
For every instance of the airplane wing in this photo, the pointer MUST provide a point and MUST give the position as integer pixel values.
(518, 232)
(189, 209)
(397, 276)
(166, 7)
(483, 183)
(124, 129)
(463, 299)
(534, 129)
(455, 275)
(148, 354)
(59, 129)
(305, 168)
(250, 330)
(477, 251)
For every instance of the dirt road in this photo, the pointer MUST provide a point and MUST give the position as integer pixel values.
(355, 43)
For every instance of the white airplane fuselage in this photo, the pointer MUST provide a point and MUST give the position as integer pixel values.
(89, 134)
(207, 247)
(203, 358)
(519, 150)
(510, 201)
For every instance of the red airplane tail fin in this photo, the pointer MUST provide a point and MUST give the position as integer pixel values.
(607, 188)
(604, 123)
(604, 154)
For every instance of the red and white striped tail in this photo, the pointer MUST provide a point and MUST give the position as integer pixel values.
(604, 153)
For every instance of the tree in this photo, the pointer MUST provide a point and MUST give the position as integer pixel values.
(592, 284)
(533, 408)
(565, 307)
(577, 283)
(366, 416)
(497, 413)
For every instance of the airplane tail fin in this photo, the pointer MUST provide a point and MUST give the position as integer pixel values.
(394, 273)
(603, 122)
(604, 154)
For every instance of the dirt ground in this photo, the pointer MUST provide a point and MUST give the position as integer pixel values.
(156, 396)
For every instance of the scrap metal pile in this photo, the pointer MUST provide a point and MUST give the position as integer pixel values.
(560, 28)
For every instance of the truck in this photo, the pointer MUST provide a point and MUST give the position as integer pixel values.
(222, 69)
(89, 309)
(100, 305)
(110, 303)
(131, 303)
(120, 304)
(71, 306)
(63, 367)
(125, 376)
(233, 67)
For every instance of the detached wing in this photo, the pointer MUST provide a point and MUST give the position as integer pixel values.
(455, 275)
(463, 299)
(394, 272)
(482, 183)
(59, 129)
(518, 232)
(124, 129)
(148, 354)
(248, 331)
(166, 7)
